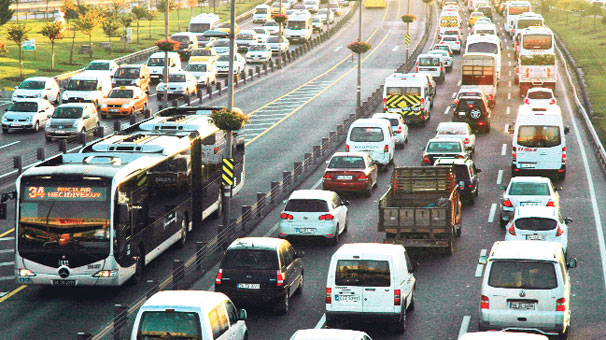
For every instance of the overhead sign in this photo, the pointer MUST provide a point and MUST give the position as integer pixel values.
(29, 45)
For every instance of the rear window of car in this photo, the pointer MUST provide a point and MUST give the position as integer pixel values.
(536, 224)
(470, 104)
(347, 162)
(522, 275)
(443, 147)
(367, 273)
(250, 259)
(539, 95)
(539, 136)
(159, 324)
(461, 172)
(452, 130)
(414, 91)
(366, 134)
(450, 39)
(529, 189)
(427, 61)
(306, 205)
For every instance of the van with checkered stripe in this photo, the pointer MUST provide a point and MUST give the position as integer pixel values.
(408, 95)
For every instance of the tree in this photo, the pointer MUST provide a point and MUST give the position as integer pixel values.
(581, 6)
(151, 15)
(595, 10)
(6, 14)
(427, 3)
(126, 20)
(566, 6)
(110, 26)
(192, 4)
(53, 31)
(18, 33)
(139, 13)
(87, 23)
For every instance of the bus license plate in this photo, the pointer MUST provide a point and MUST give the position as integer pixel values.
(347, 298)
(249, 285)
(64, 283)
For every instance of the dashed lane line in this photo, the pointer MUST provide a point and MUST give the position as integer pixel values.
(493, 210)
(500, 177)
(480, 267)
(504, 150)
(464, 326)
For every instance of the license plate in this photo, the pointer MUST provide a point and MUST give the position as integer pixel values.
(114, 110)
(347, 298)
(305, 230)
(249, 285)
(344, 177)
(528, 204)
(64, 283)
(393, 109)
(526, 165)
(522, 305)
(535, 237)
(461, 114)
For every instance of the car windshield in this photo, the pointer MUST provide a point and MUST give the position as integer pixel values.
(202, 38)
(461, 172)
(449, 39)
(196, 67)
(169, 325)
(414, 91)
(322, 11)
(539, 136)
(537, 41)
(536, 224)
(523, 275)
(347, 162)
(539, 95)
(202, 53)
(257, 48)
(127, 73)
(224, 57)
(155, 62)
(176, 78)
(333, 5)
(250, 259)
(121, 93)
(270, 23)
(261, 10)
(366, 273)
(273, 39)
(452, 130)
(306, 205)
(222, 43)
(429, 61)
(245, 36)
(23, 107)
(451, 33)
(82, 85)
(529, 189)
(449, 147)
(98, 66)
(299, 25)
(67, 112)
(32, 85)
(366, 134)
(440, 53)
(442, 47)
(525, 23)
(483, 47)
(183, 40)
(259, 30)
(485, 31)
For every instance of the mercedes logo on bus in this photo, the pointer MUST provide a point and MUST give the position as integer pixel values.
(63, 273)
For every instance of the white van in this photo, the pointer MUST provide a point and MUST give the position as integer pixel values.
(204, 22)
(526, 287)
(299, 27)
(87, 87)
(262, 14)
(539, 141)
(374, 137)
(192, 314)
(410, 95)
(367, 281)
(155, 64)
(431, 64)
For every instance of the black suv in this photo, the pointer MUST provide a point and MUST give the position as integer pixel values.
(258, 270)
(466, 175)
(474, 111)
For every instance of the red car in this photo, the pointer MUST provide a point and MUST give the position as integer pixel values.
(350, 171)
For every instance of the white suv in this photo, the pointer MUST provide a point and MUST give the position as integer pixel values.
(526, 287)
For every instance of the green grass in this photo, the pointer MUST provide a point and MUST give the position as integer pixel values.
(38, 63)
(588, 48)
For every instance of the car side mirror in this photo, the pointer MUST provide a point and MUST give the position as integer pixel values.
(40, 111)
(502, 187)
(300, 254)
(242, 315)
(571, 263)
(559, 189)
(346, 203)
(478, 171)
(568, 220)
(483, 259)
(86, 117)
(566, 129)
(5, 110)
(510, 128)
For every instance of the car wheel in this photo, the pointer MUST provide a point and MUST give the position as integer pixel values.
(450, 248)
(217, 213)
(331, 323)
(368, 191)
(299, 290)
(400, 326)
(183, 239)
(346, 225)
(283, 304)
(4, 130)
(56, 101)
(48, 138)
(36, 127)
(458, 230)
(406, 140)
(335, 240)
(502, 222)
(562, 175)
(564, 335)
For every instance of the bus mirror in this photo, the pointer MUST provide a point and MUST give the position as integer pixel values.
(182, 165)
(123, 213)
(2, 211)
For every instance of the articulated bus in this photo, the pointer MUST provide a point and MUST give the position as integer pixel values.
(99, 216)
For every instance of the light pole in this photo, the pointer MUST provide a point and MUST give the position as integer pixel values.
(407, 31)
(166, 54)
(359, 87)
(230, 104)
(279, 35)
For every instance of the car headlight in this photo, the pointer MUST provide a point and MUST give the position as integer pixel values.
(24, 272)
(48, 123)
(125, 106)
(38, 95)
(106, 273)
(104, 106)
(65, 96)
(28, 119)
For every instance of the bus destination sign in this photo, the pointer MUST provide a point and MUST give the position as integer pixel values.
(66, 193)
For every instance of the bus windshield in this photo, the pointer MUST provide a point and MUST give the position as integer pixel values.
(64, 219)
(199, 27)
(483, 47)
(525, 23)
(297, 25)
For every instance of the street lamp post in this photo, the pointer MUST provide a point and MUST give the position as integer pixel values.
(359, 87)
(407, 31)
(166, 54)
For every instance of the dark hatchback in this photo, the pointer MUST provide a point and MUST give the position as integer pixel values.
(260, 270)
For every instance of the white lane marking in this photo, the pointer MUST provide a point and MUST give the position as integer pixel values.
(510, 75)
(480, 267)
(269, 115)
(9, 263)
(338, 48)
(260, 124)
(395, 48)
(594, 203)
(10, 144)
(509, 62)
(11, 238)
(506, 128)
(493, 210)
(464, 326)
(509, 83)
(509, 96)
(508, 110)
(4, 293)
(504, 150)
(500, 177)
(7, 251)
(454, 93)
(321, 322)
(509, 55)
(447, 109)
(459, 82)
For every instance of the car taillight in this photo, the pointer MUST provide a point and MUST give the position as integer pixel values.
(400, 129)
(512, 230)
(384, 100)
(550, 203)
(386, 148)
(326, 217)
(417, 69)
(346, 148)
(397, 297)
(467, 141)
(328, 296)
(561, 305)
(286, 216)
(484, 303)
(481, 123)
(560, 230)
(564, 155)
(456, 42)
(552, 101)
(422, 100)
(460, 157)
(426, 159)
(526, 101)
(507, 203)
(280, 279)
(471, 106)
(363, 177)
(219, 277)
(491, 97)
(326, 176)
(441, 69)
(456, 101)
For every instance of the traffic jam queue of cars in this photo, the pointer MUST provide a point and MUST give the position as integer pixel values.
(364, 280)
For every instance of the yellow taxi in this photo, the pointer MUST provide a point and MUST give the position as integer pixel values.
(124, 101)
(225, 28)
(208, 54)
(474, 16)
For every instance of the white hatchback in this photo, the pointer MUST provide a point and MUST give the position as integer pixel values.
(102, 66)
(399, 128)
(27, 114)
(457, 130)
(319, 213)
(258, 53)
(38, 87)
(329, 334)
(540, 97)
(527, 191)
(539, 224)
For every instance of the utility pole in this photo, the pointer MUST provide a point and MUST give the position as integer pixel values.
(230, 104)
(407, 31)
(166, 2)
(359, 88)
(279, 34)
